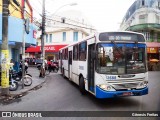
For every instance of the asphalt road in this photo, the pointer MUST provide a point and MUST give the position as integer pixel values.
(59, 94)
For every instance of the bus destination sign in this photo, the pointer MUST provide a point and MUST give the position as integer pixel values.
(121, 36)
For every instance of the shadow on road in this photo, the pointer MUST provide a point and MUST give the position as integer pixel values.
(119, 102)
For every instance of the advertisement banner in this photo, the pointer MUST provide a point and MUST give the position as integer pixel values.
(5, 68)
(152, 50)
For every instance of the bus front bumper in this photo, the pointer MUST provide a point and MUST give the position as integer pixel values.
(110, 94)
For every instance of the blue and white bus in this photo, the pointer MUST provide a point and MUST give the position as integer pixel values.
(107, 64)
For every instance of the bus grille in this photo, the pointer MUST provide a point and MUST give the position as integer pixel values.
(125, 86)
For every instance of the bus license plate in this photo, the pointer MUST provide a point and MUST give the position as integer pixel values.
(127, 94)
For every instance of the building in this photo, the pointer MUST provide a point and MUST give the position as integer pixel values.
(61, 31)
(144, 16)
(16, 27)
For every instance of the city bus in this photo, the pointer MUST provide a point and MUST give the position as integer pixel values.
(107, 64)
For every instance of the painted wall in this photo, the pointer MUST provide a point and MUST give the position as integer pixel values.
(15, 11)
(15, 30)
(15, 25)
(57, 37)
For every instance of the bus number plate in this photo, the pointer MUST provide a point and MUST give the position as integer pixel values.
(127, 94)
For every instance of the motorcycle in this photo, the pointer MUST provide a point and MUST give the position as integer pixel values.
(54, 67)
(13, 84)
(18, 77)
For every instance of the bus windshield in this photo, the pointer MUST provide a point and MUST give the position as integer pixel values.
(120, 58)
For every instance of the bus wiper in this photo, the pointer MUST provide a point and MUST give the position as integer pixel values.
(117, 48)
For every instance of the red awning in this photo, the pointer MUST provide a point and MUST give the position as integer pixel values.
(48, 48)
(153, 44)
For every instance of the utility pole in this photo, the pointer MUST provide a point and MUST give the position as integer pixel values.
(5, 51)
(42, 71)
(23, 46)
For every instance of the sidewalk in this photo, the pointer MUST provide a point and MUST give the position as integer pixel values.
(36, 83)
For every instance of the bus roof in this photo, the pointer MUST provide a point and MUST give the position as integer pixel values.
(98, 33)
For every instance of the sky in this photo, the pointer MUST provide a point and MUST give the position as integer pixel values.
(104, 15)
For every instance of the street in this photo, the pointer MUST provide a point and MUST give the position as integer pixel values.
(59, 94)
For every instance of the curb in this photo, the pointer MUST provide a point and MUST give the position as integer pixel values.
(7, 99)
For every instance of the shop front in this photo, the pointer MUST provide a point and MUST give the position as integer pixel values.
(153, 53)
(153, 50)
(51, 51)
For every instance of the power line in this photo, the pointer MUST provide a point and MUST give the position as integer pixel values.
(71, 24)
(40, 2)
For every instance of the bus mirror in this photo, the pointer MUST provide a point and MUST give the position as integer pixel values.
(93, 54)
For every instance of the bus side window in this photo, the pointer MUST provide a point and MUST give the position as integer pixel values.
(82, 51)
(75, 52)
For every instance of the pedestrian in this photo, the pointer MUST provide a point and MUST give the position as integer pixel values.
(26, 66)
(49, 65)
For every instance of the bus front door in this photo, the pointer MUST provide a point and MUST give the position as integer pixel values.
(91, 70)
(70, 65)
(61, 62)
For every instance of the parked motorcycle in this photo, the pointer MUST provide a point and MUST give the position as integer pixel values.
(13, 84)
(18, 77)
(54, 67)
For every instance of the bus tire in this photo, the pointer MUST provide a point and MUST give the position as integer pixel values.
(82, 85)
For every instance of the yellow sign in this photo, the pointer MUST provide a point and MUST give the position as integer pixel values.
(152, 50)
(5, 68)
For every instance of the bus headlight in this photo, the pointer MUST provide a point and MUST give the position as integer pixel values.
(142, 84)
(106, 87)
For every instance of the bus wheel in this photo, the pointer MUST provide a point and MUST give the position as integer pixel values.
(82, 85)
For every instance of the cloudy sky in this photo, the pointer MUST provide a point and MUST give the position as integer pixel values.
(105, 15)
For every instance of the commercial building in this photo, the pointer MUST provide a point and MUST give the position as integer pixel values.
(16, 27)
(61, 31)
(144, 16)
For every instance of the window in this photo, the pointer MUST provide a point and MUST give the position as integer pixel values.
(64, 36)
(75, 36)
(158, 5)
(75, 52)
(66, 54)
(120, 58)
(82, 51)
(46, 38)
(50, 38)
(147, 35)
(143, 3)
(63, 54)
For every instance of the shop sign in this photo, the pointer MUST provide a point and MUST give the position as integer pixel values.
(48, 48)
(152, 50)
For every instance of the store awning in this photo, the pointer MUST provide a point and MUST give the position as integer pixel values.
(153, 44)
(48, 48)
(9, 42)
